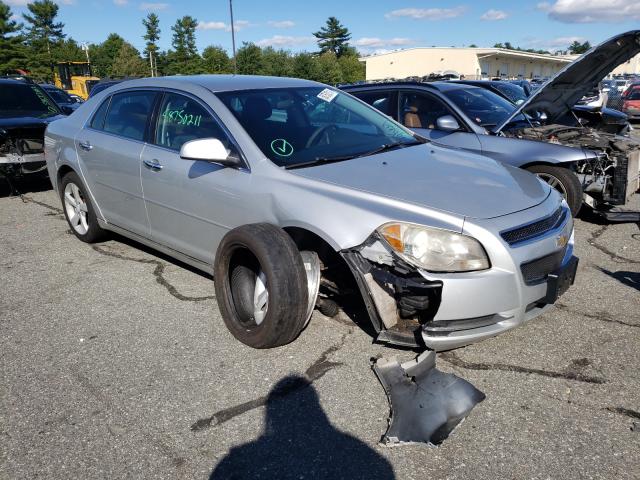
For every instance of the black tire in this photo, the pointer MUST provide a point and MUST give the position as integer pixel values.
(242, 254)
(94, 232)
(568, 184)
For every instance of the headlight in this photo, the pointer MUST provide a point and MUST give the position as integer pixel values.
(433, 249)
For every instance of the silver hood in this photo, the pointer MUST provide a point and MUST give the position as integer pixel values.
(439, 178)
(560, 93)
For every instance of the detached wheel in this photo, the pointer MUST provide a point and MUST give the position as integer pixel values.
(564, 181)
(261, 285)
(78, 209)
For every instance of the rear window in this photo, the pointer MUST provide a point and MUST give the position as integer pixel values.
(129, 114)
(59, 96)
(25, 100)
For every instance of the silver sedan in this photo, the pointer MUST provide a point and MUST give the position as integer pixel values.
(295, 195)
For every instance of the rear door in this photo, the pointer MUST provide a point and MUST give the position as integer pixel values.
(109, 148)
(191, 204)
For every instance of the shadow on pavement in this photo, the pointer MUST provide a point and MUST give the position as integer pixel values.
(13, 186)
(299, 442)
(630, 279)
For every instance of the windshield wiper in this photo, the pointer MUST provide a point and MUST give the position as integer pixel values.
(324, 160)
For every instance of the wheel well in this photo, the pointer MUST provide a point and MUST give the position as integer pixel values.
(566, 165)
(62, 171)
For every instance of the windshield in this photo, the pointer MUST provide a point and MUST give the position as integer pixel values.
(25, 100)
(59, 96)
(486, 108)
(301, 125)
(513, 92)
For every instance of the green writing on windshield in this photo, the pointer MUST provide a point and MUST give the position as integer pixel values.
(181, 117)
(45, 100)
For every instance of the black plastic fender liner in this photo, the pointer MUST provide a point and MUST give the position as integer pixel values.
(426, 404)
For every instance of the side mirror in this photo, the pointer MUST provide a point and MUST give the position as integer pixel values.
(208, 150)
(447, 123)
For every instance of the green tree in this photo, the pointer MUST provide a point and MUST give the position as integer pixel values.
(104, 54)
(216, 60)
(128, 62)
(68, 51)
(12, 51)
(43, 35)
(184, 58)
(329, 69)
(276, 63)
(353, 70)
(306, 66)
(152, 35)
(578, 48)
(333, 37)
(249, 59)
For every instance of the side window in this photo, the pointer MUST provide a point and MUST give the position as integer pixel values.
(383, 101)
(129, 114)
(181, 119)
(419, 110)
(98, 118)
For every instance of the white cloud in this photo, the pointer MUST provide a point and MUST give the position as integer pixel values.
(284, 41)
(592, 11)
(121, 3)
(281, 23)
(17, 3)
(239, 24)
(493, 15)
(211, 26)
(427, 13)
(154, 6)
(557, 43)
(375, 42)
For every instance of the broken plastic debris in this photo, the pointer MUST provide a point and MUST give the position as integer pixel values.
(426, 404)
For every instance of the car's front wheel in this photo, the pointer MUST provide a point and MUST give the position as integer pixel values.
(564, 181)
(78, 209)
(261, 285)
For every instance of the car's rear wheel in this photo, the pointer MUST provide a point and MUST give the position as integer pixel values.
(78, 209)
(261, 285)
(564, 181)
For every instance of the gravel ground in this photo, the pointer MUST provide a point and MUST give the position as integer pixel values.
(116, 364)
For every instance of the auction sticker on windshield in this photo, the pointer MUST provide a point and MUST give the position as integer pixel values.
(281, 147)
(327, 95)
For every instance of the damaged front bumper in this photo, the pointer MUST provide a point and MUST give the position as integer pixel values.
(412, 307)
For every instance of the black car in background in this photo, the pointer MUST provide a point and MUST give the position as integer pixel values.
(66, 102)
(102, 85)
(25, 112)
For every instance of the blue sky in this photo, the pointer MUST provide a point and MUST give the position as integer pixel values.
(376, 26)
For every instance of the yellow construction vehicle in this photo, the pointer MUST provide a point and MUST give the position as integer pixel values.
(75, 78)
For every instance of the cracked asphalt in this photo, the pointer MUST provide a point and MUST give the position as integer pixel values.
(116, 364)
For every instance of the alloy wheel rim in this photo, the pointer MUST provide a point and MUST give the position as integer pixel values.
(260, 298)
(554, 183)
(76, 208)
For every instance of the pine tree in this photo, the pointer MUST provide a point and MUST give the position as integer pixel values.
(12, 51)
(216, 60)
(104, 54)
(44, 34)
(152, 24)
(128, 62)
(334, 37)
(184, 58)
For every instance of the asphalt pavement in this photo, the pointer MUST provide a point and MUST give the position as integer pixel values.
(116, 364)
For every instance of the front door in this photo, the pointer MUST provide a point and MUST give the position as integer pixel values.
(109, 149)
(191, 204)
(420, 112)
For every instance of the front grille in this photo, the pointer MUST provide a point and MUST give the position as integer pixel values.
(535, 229)
(536, 271)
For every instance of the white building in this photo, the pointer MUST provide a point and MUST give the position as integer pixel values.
(473, 63)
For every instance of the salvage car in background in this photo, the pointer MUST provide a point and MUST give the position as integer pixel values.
(631, 101)
(541, 134)
(284, 187)
(65, 101)
(25, 112)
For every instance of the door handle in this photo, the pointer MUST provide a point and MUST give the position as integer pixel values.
(152, 164)
(85, 145)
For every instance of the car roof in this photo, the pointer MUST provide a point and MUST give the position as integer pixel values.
(440, 86)
(221, 83)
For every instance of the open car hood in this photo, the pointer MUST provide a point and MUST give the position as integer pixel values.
(558, 96)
